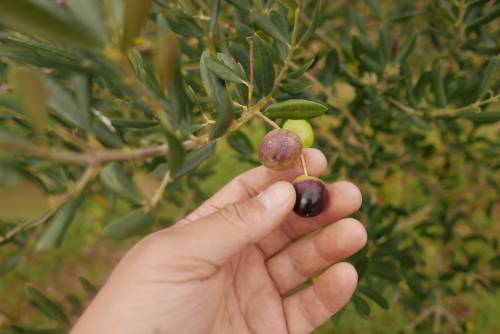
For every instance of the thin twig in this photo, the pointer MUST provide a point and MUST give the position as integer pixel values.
(250, 86)
(443, 111)
(159, 192)
(288, 60)
(304, 165)
(267, 120)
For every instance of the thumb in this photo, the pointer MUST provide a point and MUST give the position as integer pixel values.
(226, 232)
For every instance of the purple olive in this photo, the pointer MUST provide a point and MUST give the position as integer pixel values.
(312, 196)
(280, 149)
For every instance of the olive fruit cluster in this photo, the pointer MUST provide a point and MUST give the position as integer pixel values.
(281, 149)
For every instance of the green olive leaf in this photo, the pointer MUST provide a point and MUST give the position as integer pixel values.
(49, 307)
(487, 75)
(33, 97)
(264, 23)
(314, 23)
(264, 74)
(48, 19)
(438, 84)
(296, 87)
(361, 306)
(219, 96)
(406, 49)
(374, 295)
(194, 158)
(295, 109)
(116, 180)
(64, 106)
(134, 223)
(54, 233)
(222, 71)
(176, 153)
(134, 19)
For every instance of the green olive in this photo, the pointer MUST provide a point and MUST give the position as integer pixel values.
(301, 128)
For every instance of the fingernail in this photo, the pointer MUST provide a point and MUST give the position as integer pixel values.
(276, 195)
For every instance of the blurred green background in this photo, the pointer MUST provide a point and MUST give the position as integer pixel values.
(412, 89)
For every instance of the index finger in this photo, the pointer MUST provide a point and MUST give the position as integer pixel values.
(252, 182)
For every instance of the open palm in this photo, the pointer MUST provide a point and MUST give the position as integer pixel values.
(231, 265)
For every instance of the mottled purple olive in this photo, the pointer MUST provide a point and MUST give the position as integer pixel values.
(280, 149)
(311, 196)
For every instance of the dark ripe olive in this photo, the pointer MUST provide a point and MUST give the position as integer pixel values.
(311, 196)
(280, 149)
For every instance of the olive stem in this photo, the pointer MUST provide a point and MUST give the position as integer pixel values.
(250, 86)
(159, 192)
(304, 165)
(267, 119)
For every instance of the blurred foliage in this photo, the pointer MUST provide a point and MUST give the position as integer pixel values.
(112, 109)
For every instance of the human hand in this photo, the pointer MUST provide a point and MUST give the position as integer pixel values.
(229, 266)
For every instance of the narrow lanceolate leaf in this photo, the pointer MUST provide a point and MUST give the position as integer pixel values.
(223, 71)
(385, 44)
(219, 97)
(225, 112)
(421, 85)
(82, 85)
(314, 23)
(484, 19)
(116, 180)
(361, 306)
(31, 92)
(240, 142)
(104, 135)
(166, 53)
(301, 70)
(296, 87)
(90, 13)
(65, 107)
(405, 72)
(176, 153)
(180, 103)
(263, 66)
(22, 201)
(134, 223)
(135, 17)
(487, 77)
(265, 24)
(406, 49)
(371, 64)
(54, 234)
(374, 295)
(48, 19)
(485, 117)
(194, 158)
(295, 109)
(241, 55)
(438, 84)
(237, 68)
(361, 266)
(88, 286)
(214, 14)
(49, 307)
